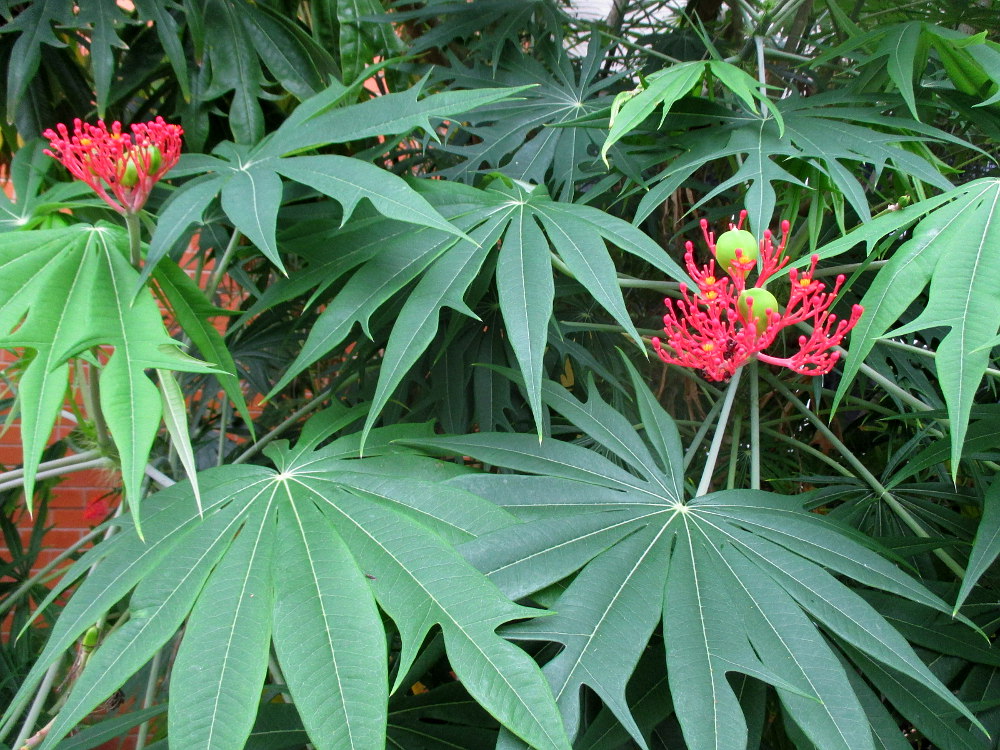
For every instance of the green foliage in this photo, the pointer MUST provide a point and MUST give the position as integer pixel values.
(423, 487)
(67, 292)
(629, 533)
(309, 547)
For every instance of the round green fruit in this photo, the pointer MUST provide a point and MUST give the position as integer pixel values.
(155, 158)
(130, 176)
(763, 301)
(727, 244)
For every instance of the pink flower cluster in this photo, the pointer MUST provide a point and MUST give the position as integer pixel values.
(121, 168)
(707, 330)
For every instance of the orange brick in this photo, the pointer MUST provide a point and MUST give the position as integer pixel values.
(69, 518)
(60, 539)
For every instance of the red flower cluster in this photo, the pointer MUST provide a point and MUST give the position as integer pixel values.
(717, 330)
(121, 168)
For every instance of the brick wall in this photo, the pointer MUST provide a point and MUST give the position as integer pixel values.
(69, 499)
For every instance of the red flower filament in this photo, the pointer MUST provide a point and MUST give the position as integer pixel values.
(120, 167)
(706, 330)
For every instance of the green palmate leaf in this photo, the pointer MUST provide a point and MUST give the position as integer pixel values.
(900, 50)
(939, 632)
(323, 122)
(185, 207)
(982, 435)
(749, 581)
(885, 732)
(186, 301)
(250, 179)
(666, 87)
(350, 180)
(828, 133)
(440, 719)
(232, 621)
(526, 289)
(986, 547)
(176, 421)
(788, 642)
(35, 24)
(928, 712)
(298, 63)
(361, 38)
(110, 729)
(612, 592)
(660, 431)
(65, 292)
(251, 199)
(648, 698)
(101, 16)
(526, 138)
(304, 556)
(954, 249)
(160, 603)
(167, 32)
(530, 227)
(443, 285)
(126, 560)
(235, 68)
(324, 615)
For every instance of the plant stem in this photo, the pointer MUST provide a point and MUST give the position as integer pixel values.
(734, 450)
(223, 426)
(873, 374)
(274, 670)
(702, 431)
(92, 402)
(222, 264)
(147, 699)
(900, 393)
(754, 426)
(885, 495)
(96, 463)
(134, 226)
(55, 463)
(849, 268)
(720, 431)
(257, 447)
(761, 70)
(159, 477)
(37, 703)
(930, 353)
(806, 448)
(659, 286)
(638, 47)
(606, 327)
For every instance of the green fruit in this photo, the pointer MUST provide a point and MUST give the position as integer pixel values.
(155, 158)
(131, 175)
(729, 242)
(146, 159)
(763, 301)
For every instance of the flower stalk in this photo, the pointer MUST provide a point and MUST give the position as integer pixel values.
(720, 432)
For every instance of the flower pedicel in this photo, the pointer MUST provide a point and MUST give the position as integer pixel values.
(121, 167)
(725, 323)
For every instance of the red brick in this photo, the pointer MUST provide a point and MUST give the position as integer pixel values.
(69, 518)
(60, 539)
